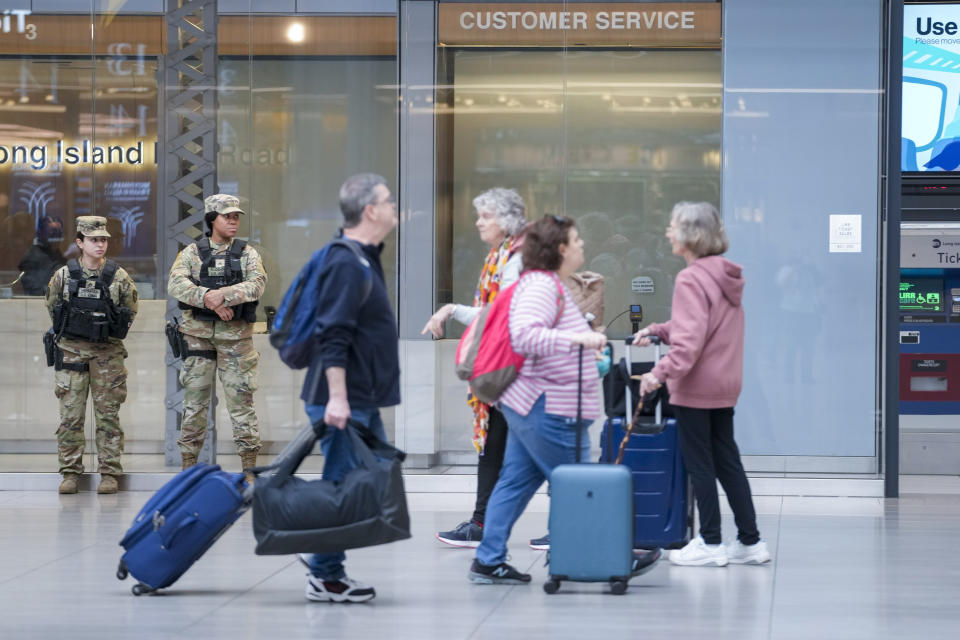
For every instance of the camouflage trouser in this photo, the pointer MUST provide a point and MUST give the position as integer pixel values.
(237, 363)
(107, 383)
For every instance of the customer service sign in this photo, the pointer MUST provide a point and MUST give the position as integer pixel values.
(664, 24)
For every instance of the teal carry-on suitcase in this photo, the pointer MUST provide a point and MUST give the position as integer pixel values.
(591, 523)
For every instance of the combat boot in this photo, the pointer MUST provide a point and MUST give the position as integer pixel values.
(188, 459)
(70, 483)
(108, 484)
(248, 459)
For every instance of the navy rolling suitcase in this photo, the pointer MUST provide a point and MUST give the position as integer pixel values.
(591, 523)
(179, 523)
(662, 493)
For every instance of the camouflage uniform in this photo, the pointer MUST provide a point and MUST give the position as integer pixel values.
(106, 379)
(236, 358)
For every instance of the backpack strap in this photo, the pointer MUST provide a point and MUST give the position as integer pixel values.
(561, 300)
(362, 259)
(109, 270)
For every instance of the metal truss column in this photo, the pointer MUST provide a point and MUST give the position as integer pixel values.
(189, 169)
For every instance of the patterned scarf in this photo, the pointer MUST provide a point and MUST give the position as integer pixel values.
(487, 288)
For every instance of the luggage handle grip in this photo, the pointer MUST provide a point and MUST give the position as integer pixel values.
(182, 526)
(628, 341)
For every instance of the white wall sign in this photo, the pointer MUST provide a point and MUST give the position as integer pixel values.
(845, 233)
(642, 284)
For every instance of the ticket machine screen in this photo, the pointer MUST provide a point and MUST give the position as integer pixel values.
(921, 294)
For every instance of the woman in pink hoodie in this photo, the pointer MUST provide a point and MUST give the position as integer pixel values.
(704, 372)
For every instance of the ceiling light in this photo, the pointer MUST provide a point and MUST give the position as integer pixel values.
(296, 32)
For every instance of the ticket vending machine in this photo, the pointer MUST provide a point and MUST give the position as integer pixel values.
(930, 347)
(930, 242)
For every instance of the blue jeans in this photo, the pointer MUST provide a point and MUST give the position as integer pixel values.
(536, 443)
(338, 461)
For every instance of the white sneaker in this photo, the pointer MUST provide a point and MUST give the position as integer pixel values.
(739, 553)
(344, 590)
(698, 554)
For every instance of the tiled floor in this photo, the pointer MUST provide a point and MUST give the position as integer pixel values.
(843, 568)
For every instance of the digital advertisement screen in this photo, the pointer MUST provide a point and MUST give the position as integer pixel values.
(921, 294)
(931, 88)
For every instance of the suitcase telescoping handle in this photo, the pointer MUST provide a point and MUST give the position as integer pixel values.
(658, 424)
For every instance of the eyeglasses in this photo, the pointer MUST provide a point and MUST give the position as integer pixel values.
(230, 216)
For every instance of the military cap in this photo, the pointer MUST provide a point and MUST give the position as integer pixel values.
(222, 203)
(92, 226)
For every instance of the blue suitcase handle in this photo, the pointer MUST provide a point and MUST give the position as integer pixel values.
(170, 541)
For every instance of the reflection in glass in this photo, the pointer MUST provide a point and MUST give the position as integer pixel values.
(290, 131)
(611, 138)
(78, 139)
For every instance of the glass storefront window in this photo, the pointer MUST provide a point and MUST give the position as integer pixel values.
(78, 139)
(290, 131)
(611, 138)
(301, 103)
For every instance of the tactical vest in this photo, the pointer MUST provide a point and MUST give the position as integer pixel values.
(89, 312)
(218, 271)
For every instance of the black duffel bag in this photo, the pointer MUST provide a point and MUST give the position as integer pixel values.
(614, 387)
(367, 508)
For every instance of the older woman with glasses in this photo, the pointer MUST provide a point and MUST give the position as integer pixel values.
(704, 372)
(501, 217)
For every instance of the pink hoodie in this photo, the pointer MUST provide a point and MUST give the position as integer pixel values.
(704, 368)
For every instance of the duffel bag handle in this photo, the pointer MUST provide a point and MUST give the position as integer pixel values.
(288, 465)
(378, 446)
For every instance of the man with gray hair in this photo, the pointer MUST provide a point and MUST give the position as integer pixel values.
(356, 366)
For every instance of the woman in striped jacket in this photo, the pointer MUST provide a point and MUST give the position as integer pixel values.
(541, 406)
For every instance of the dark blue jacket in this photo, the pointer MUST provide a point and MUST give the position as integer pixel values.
(359, 336)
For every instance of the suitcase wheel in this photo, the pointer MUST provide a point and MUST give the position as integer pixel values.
(551, 586)
(618, 586)
(139, 589)
(122, 572)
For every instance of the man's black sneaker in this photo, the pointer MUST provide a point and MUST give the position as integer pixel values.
(644, 561)
(540, 544)
(496, 574)
(467, 534)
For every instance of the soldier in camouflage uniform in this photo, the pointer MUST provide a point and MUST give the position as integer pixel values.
(217, 327)
(91, 355)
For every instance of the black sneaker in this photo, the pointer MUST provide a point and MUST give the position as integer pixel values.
(467, 534)
(644, 561)
(540, 544)
(496, 574)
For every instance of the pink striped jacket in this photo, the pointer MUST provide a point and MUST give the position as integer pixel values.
(551, 359)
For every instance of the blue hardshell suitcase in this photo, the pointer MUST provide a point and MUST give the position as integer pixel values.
(662, 492)
(662, 498)
(591, 525)
(590, 521)
(179, 523)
